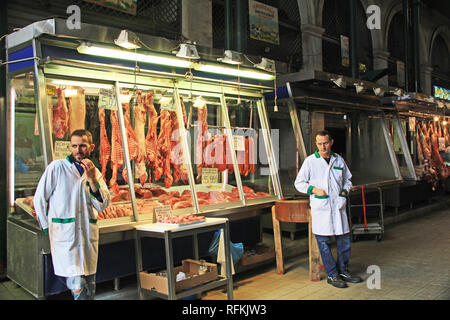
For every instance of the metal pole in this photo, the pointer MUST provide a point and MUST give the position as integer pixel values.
(4, 196)
(416, 44)
(353, 40)
(123, 134)
(228, 25)
(406, 41)
(241, 25)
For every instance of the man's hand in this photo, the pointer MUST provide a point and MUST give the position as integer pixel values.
(89, 168)
(318, 192)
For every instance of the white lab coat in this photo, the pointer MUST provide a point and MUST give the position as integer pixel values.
(64, 208)
(328, 213)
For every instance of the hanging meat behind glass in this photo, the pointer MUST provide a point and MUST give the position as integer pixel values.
(133, 147)
(77, 110)
(202, 129)
(164, 146)
(117, 157)
(140, 116)
(105, 147)
(60, 116)
(151, 139)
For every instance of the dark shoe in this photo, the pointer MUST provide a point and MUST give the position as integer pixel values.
(347, 277)
(336, 282)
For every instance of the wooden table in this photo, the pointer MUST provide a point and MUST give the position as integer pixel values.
(297, 211)
(168, 233)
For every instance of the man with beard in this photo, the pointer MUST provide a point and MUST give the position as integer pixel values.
(64, 200)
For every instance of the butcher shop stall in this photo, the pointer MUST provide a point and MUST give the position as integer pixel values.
(351, 110)
(423, 120)
(176, 134)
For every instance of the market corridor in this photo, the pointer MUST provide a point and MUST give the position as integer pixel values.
(413, 260)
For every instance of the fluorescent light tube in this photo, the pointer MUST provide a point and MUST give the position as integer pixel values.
(129, 55)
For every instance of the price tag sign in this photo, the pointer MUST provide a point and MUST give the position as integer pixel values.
(162, 212)
(107, 99)
(61, 149)
(51, 90)
(210, 175)
(239, 143)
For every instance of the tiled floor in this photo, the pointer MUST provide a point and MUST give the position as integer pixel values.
(413, 259)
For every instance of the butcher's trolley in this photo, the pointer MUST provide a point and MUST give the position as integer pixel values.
(366, 228)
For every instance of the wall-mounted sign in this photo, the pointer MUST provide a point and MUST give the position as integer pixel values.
(345, 55)
(263, 21)
(61, 149)
(107, 99)
(128, 6)
(441, 93)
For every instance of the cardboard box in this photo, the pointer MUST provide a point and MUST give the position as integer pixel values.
(160, 283)
(258, 253)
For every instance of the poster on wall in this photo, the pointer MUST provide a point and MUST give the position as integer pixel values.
(263, 22)
(345, 56)
(127, 6)
(400, 73)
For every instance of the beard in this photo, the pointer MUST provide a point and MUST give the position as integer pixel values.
(80, 156)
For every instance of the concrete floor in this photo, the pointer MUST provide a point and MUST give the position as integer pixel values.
(413, 260)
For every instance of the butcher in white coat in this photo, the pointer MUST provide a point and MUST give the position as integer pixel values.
(64, 201)
(325, 177)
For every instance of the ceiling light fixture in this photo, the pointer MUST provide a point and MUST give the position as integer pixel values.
(378, 91)
(188, 50)
(127, 40)
(266, 64)
(359, 86)
(398, 92)
(339, 81)
(231, 57)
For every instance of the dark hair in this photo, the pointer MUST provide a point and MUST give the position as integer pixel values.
(81, 133)
(324, 133)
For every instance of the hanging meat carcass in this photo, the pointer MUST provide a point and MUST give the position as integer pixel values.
(436, 158)
(151, 139)
(176, 154)
(419, 147)
(117, 155)
(202, 129)
(251, 151)
(140, 115)
(77, 110)
(60, 116)
(133, 146)
(164, 146)
(105, 147)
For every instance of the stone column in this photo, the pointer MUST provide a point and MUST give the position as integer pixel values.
(197, 21)
(312, 47)
(380, 61)
(425, 79)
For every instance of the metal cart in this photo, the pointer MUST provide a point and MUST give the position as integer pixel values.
(365, 228)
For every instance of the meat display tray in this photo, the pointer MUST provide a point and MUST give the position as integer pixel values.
(180, 224)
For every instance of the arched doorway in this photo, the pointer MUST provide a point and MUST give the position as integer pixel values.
(440, 61)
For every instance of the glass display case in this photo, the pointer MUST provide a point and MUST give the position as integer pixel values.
(194, 146)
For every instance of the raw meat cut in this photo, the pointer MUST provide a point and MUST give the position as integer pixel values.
(133, 146)
(60, 116)
(117, 156)
(105, 147)
(140, 114)
(77, 110)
